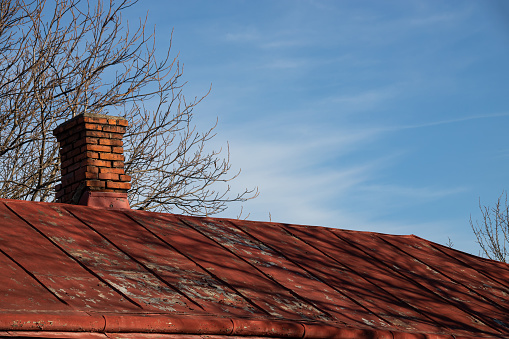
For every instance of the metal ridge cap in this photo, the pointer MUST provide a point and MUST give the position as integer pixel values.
(55, 321)
(192, 325)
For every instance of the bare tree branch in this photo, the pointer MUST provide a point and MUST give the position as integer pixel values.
(492, 231)
(67, 57)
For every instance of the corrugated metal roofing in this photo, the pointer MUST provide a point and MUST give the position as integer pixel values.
(77, 271)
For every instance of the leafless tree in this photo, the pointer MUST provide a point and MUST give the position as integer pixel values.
(66, 57)
(492, 231)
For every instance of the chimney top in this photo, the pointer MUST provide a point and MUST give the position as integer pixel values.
(92, 161)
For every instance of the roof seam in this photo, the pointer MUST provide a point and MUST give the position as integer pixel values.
(136, 261)
(74, 259)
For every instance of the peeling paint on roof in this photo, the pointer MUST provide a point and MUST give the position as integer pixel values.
(77, 271)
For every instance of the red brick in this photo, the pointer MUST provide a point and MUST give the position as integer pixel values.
(116, 136)
(93, 127)
(74, 167)
(94, 183)
(122, 122)
(119, 150)
(117, 164)
(67, 179)
(81, 175)
(78, 143)
(92, 169)
(66, 148)
(67, 163)
(96, 148)
(118, 185)
(111, 156)
(58, 130)
(126, 178)
(109, 176)
(95, 162)
(80, 119)
(65, 136)
(73, 153)
(78, 158)
(111, 170)
(91, 141)
(111, 142)
(95, 120)
(83, 141)
(113, 129)
(93, 155)
(72, 138)
(95, 134)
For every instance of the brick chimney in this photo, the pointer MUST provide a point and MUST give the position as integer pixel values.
(92, 161)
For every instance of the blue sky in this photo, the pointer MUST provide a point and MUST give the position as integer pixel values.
(386, 116)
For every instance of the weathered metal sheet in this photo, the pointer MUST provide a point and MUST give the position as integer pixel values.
(103, 272)
(361, 298)
(52, 268)
(163, 261)
(486, 277)
(19, 290)
(289, 274)
(269, 265)
(457, 284)
(125, 278)
(266, 295)
(433, 312)
(412, 280)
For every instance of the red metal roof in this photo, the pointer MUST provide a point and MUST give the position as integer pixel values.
(77, 271)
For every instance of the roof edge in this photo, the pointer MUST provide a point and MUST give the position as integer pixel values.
(163, 324)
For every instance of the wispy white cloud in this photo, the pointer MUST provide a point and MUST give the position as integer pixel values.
(434, 19)
(248, 34)
(400, 193)
(446, 122)
(362, 100)
(285, 63)
(297, 173)
(284, 43)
